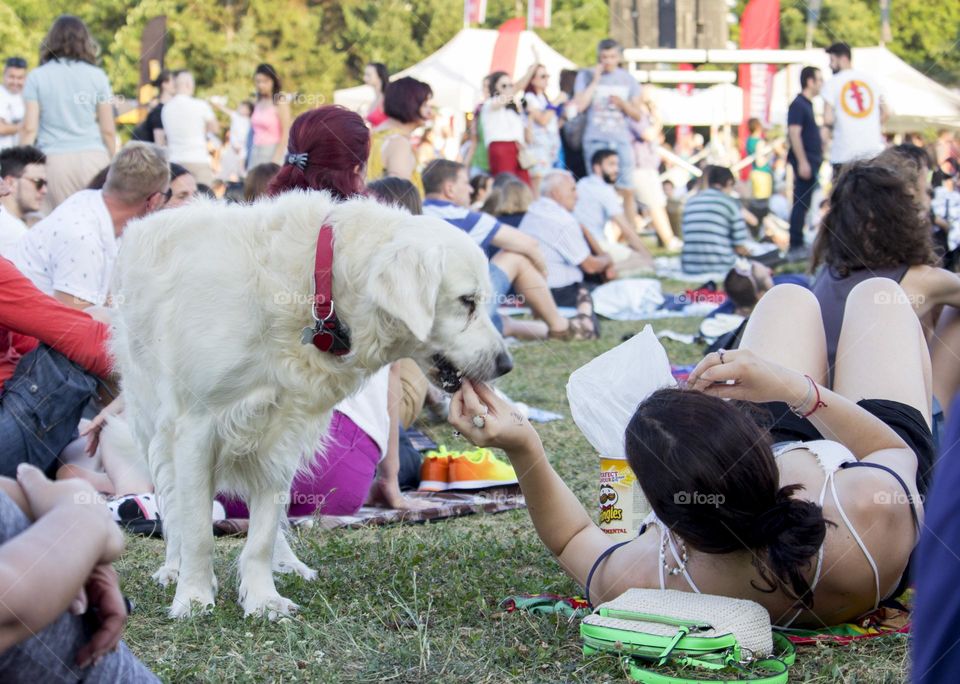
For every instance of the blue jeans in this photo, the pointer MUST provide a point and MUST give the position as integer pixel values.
(624, 150)
(40, 408)
(501, 288)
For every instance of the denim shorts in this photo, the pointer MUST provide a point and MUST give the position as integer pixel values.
(501, 288)
(624, 150)
(40, 408)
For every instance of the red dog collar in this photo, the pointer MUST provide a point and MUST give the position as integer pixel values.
(328, 333)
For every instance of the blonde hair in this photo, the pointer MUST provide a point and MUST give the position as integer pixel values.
(139, 170)
(512, 197)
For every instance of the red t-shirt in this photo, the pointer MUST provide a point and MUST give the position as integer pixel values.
(28, 317)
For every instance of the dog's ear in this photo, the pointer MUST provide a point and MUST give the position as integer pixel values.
(405, 279)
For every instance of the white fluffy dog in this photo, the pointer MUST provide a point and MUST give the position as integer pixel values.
(221, 392)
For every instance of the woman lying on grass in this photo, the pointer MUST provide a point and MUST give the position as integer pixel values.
(780, 515)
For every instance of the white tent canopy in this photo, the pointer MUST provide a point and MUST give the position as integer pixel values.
(915, 100)
(456, 71)
(713, 106)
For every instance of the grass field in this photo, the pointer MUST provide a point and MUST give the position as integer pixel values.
(419, 603)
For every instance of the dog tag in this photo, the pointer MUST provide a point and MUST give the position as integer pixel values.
(306, 336)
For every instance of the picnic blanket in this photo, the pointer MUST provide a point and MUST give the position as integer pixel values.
(449, 504)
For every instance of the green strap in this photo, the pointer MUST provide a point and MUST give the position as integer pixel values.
(779, 668)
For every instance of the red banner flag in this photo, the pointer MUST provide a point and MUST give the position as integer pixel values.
(759, 30)
(474, 12)
(538, 13)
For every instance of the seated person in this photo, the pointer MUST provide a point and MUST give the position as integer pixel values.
(551, 221)
(876, 228)
(813, 516)
(516, 262)
(714, 231)
(183, 187)
(62, 613)
(24, 170)
(508, 201)
(70, 253)
(50, 357)
(598, 203)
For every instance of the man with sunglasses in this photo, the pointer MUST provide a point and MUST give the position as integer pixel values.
(23, 169)
(11, 101)
(70, 254)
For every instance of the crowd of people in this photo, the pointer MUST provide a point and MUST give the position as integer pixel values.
(557, 194)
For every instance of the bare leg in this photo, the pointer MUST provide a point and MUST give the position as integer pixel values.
(945, 357)
(629, 206)
(100, 481)
(525, 330)
(786, 327)
(529, 282)
(882, 353)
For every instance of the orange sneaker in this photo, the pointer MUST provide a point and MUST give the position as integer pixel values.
(435, 470)
(479, 469)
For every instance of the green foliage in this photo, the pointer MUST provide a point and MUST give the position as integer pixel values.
(320, 45)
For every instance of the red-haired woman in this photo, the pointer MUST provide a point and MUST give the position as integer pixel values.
(406, 102)
(327, 150)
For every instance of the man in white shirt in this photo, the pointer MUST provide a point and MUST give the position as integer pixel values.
(186, 122)
(11, 101)
(23, 169)
(70, 254)
(853, 110)
(551, 221)
(599, 203)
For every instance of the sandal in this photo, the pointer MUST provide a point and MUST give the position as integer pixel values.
(580, 328)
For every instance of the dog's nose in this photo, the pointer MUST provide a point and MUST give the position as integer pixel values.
(504, 363)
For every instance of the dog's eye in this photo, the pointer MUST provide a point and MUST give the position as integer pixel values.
(470, 302)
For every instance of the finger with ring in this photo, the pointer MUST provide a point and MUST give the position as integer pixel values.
(721, 352)
(479, 422)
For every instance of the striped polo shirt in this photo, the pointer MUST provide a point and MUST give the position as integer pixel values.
(479, 226)
(712, 227)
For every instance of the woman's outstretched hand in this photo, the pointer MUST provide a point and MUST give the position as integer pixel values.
(741, 374)
(504, 427)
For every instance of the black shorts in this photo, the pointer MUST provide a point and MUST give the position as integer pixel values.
(905, 420)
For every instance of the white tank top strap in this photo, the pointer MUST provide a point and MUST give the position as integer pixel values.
(667, 540)
(831, 456)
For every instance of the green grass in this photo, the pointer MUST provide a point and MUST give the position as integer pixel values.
(418, 603)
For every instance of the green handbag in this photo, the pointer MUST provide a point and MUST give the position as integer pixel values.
(657, 628)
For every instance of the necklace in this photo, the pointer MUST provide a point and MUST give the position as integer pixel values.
(684, 556)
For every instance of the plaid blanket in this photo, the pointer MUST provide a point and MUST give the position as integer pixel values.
(449, 504)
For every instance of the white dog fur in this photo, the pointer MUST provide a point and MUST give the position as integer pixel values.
(221, 394)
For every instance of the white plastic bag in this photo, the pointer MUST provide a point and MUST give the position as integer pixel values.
(605, 393)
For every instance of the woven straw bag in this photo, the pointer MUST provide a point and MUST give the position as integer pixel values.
(682, 628)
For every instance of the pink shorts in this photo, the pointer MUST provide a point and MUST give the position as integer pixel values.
(338, 480)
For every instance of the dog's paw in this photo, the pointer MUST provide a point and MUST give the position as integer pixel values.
(271, 606)
(166, 575)
(191, 603)
(285, 567)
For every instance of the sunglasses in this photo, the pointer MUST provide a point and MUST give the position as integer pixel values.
(38, 183)
(167, 194)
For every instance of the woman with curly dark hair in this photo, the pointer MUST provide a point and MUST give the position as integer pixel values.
(877, 227)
